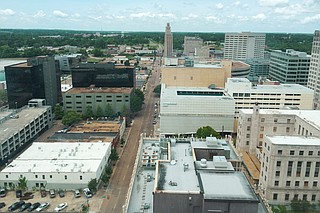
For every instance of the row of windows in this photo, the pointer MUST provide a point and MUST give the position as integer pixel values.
(297, 183)
(98, 96)
(97, 101)
(295, 197)
(50, 176)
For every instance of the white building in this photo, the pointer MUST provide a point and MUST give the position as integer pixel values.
(246, 95)
(58, 165)
(184, 109)
(18, 128)
(314, 70)
(245, 45)
(290, 169)
(255, 124)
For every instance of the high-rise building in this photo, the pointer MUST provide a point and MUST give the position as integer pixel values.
(314, 70)
(259, 69)
(191, 44)
(39, 77)
(290, 67)
(168, 42)
(245, 45)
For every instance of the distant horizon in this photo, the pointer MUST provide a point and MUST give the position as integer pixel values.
(274, 16)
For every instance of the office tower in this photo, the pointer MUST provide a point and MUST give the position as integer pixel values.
(290, 67)
(168, 45)
(191, 44)
(39, 77)
(245, 45)
(259, 69)
(314, 70)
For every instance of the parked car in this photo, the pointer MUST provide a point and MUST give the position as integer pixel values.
(87, 192)
(2, 204)
(43, 193)
(61, 193)
(43, 206)
(52, 193)
(26, 196)
(24, 207)
(61, 206)
(18, 193)
(15, 206)
(3, 192)
(34, 206)
(77, 193)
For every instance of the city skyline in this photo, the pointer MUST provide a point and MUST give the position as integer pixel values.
(184, 15)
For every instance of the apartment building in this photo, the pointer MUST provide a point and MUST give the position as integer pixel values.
(289, 67)
(245, 45)
(314, 70)
(290, 168)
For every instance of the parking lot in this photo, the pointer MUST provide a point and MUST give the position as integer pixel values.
(74, 204)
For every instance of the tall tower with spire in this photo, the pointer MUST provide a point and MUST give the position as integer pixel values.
(168, 45)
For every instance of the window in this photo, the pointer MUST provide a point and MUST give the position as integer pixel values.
(36, 176)
(50, 176)
(65, 177)
(37, 184)
(247, 143)
(7, 176)
(313, 197)
(286, 197)
(274, 129)
(315, 183)
(43, 177)
(275, 196)
(288, 129)
(296, 183)
(288, 121)
(174, 77)
(248, 136)
(301, 152)
(261, 136)
(304, 197)
(306, 183)
(277, 173)
(316, 169)
(276, 183)
(248, 128)
(308, 168)
(278, 163)
(310, 153)
(295, 196)
(191, 78)
(291, 152)
(249, 119)
(299, 165)
(280, 152)
(80, 177)
(318, 153)
(261, 128)
(275, 120)
(288, 183)
(263, 119)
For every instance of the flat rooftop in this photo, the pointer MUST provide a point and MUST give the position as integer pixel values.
(252, 164)
(226, 186)
(187, 92)
(309, 116)
(11, 126)
(59, 157)
(294, 140)
(122, 90)
(96, 126)
(24, 64)
(9, 62)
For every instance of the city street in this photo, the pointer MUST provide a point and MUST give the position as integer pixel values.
(117, 190)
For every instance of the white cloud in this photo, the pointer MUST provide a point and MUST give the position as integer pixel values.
(293, 9)
(242, 18)
(152, 15)
(215, 19)
(60, 14)
(76, 15)
(7, 12)
(190, 16)
(39, 14)
(310, 19)
(219, 6)
(272, 3)
(259, 17)
(237, 3)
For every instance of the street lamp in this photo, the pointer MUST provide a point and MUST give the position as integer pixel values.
(16, 103)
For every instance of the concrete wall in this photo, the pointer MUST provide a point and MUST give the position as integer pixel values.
(230, 206)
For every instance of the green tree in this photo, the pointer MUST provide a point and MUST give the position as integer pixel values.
(93, 184)
(3, 97)
(207, 131)
(58, 111)
(300, 205)
(22, 183)
(139, 94)
(135, 103)
(127, 63)
(89, 112)
(125, 111)
(99, 111)
(109, 111)
(71, 117)
(114, 155)
(157, 90)
(97, 53)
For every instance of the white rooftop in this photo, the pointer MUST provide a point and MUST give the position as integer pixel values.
(8, 62)
(309, 116)
(60, 157)
(228, 185)
(294, 140)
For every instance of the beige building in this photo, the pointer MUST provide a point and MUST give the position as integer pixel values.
(79, 99)
(200, 75)
(290, 169)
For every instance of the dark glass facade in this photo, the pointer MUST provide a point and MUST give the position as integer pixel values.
(103, 75)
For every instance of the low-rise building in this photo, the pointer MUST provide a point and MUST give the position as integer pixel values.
(185, 109)
(18, 128)
(290, 169)
(79, 99)
(58, 165)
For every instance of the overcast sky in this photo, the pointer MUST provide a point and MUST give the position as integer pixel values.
(151, 15)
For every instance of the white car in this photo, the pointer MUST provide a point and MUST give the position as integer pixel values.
(43, 206)
(87, 192)
(61, 206)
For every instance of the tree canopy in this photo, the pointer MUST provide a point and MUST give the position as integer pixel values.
(207, 131)
(157, 90)
(93, 184)
(71, 117)
(58, 111)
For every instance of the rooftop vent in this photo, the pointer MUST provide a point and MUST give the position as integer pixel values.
(203, 163)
